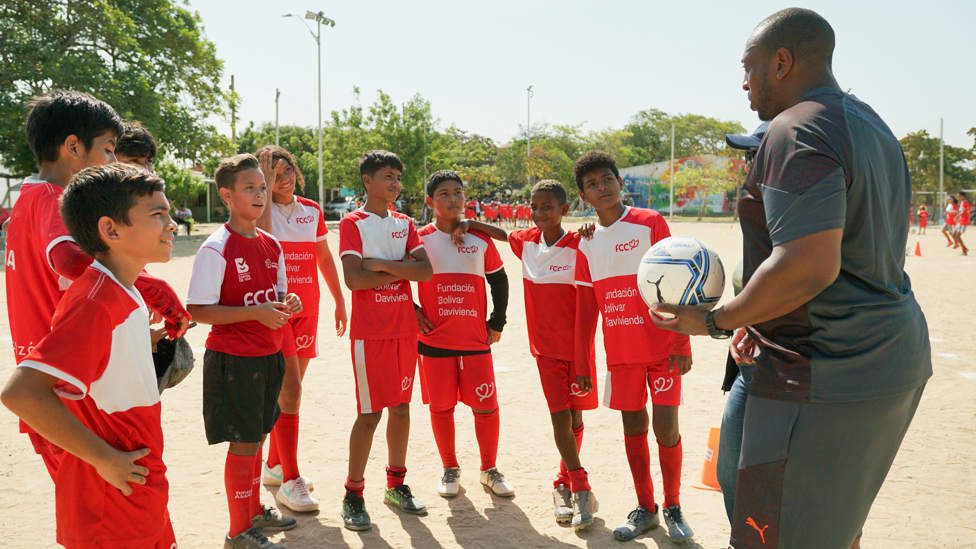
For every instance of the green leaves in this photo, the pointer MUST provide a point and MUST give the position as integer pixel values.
(922, 155)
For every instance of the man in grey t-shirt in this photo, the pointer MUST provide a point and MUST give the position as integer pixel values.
(843, 346)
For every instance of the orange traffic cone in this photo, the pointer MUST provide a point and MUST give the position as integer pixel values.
(918, 249)
(709, 480)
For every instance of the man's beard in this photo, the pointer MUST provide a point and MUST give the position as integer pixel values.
(764, 101)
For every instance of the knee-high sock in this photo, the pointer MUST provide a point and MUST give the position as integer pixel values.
(486, 430)
(254, 506)
(442, 424)
(238, 483)
(287, 439)
(639, 457)
(273, 458)
(671, 471)
(563, 476)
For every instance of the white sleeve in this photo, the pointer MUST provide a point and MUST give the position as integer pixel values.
(282, 274)
(207, 277)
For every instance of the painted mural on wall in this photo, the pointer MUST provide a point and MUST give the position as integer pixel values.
(649, 185)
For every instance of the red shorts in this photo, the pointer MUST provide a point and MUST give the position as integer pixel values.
(627, 385)
(384, 370)
(560, 387)
(300, 337)
(470, 379)
(168, 541)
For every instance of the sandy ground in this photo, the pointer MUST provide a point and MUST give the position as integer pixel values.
(929, 499)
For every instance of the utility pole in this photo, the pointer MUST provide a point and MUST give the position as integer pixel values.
(277, 95)
(233, 113)
(671, 214)
(941, 171)
(528, 134)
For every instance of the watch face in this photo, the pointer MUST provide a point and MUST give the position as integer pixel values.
(721, 335)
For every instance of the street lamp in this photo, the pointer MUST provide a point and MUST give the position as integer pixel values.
(528, 134)
(319, 18)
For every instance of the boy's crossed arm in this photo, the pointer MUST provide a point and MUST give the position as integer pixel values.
(272, 315)
(366, 274)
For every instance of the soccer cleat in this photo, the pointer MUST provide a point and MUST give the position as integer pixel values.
(250, 539)
(584, 506)
(562, 503)
(678, 529)
(495, 480)
(639, 521)
(272, 520)
(354, 515)
(294, 495)
(449, 487)
(402, 498)
(272, 477)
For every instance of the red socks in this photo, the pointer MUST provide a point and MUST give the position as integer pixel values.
(254, 506)
(394, 476)
(639, 457)
(286, 430)
(486, 428)
(671, 471)
(356, 487)
(578, 480)
(563, 476)
(442, 424)
(273, 448)
(238, 484)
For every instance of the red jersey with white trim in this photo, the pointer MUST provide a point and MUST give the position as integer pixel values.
(609, 262)
(548, 277)
(950, 215)
(385, 312)
(454, 300)
(235, 271)
(964, 210)
(298, 235)
(99, 350)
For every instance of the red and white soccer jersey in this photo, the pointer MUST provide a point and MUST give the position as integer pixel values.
(235, 271)
(454, 300)
(385, 312)
(100, 351)
(608, 263)
(964, 211)
(298, 236)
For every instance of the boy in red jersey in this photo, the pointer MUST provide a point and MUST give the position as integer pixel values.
(923, 219)
(239, 286)
(639, 355)
(67, 131)
(112, 489)
(381, 253)
(962, 221)
(299, 226)
(457, 334)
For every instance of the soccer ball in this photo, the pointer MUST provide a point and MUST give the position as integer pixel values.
(681, 270)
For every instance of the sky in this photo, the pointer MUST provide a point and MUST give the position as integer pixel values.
(589, 63)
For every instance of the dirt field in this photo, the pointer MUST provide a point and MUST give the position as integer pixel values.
(929, 499)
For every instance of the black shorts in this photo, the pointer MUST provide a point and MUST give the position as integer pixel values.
(240, 396)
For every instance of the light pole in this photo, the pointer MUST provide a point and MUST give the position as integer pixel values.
(528, 134)
(319, 18)
(277, 95)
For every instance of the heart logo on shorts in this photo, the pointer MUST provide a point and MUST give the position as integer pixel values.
(663, 384)
(574, 390)
(485, 390)
(304, 341)
(405, 384)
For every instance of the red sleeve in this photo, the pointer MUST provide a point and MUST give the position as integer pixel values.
(660, 230)
(413, 239)
(587, 316)
(161, 297)
(68, 260)
(493, 261)
(350, 241)
(515, 240)
(582, 270)
(321, 230)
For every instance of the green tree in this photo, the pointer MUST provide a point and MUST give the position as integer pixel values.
(182, 187)
(149, 59)
(922, 155)
(405, 131)
(694, 135)
(701, 181)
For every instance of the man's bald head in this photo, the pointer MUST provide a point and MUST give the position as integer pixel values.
(804, 33)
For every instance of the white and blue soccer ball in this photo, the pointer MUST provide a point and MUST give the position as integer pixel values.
(681, 270)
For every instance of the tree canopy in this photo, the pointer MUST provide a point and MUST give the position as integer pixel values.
(922, 155)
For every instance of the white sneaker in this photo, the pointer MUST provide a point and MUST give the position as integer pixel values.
(562, 503)
(294, 495)
(449, 486)
(495, 480)
(272, 477)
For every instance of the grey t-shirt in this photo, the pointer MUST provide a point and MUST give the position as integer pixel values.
(830, 162)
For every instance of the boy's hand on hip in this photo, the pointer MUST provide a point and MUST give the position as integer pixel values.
(425, 325)
(680, 363)
(119, 469)
(272, 315)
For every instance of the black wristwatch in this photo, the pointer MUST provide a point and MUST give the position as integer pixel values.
(713, 330)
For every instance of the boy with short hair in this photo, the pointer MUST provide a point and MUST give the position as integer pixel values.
(239, 286)
(639, 355)
(67, 132)
(89, 386)
(962, 221)
(136, 146)
(456, 333)
(381, 253)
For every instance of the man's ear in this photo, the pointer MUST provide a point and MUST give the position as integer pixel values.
(108, 229)
(784, 63)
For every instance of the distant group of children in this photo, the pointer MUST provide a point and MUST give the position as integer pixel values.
(505, 213)
(93, 411)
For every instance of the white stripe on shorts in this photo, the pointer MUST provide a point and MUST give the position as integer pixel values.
(365, 406)
(606, 390)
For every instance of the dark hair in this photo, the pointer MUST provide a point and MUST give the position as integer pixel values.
(953, 199)
(373, 161)
(551, 186)
(60, 113)
(103, 191)
(803, 32)
(593, 160)
(278, 153)
(962, 194)
(439, 177)
(227, 170)
(136, 141)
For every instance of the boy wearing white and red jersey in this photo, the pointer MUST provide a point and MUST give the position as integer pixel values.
(239, 287)
(381, 253)
(89, 386)
(639, 355)
(456, 333)
(962, 221)
(67, 131)
(299, 226)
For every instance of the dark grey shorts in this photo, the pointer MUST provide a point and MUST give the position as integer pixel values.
(240, 395)
(809, 471)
